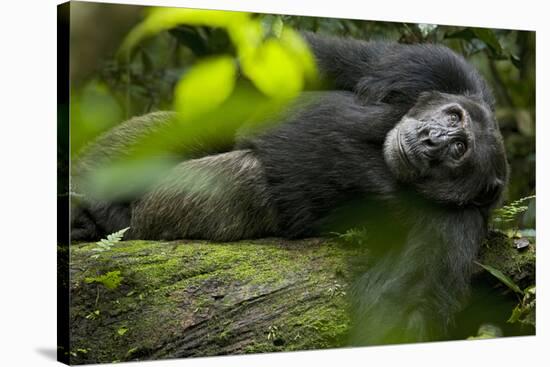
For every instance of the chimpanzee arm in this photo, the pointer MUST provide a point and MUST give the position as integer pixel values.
(344, 61)
(394, 73)
(412, 291)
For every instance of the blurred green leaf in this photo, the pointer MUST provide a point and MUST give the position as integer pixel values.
(488, 36)
(126, 177)
(299, 49)
(155, 154)
(94, 109)
(278, 68)
(205, 86)
(247, 36)
(274, 71)
(162, 19)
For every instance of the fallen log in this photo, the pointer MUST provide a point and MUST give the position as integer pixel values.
(143, 300)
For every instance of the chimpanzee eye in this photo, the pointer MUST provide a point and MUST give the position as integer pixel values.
(454, 117)
(458, 149)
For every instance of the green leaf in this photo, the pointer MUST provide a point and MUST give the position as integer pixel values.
(274, 71)
(94, 109)
(205, 87)
(123, 330)
(531, 289)
(162, 19)
(488, 36)
(247, 36)
(126, 177)
(502, 277)
(516, 314)
(293, 43)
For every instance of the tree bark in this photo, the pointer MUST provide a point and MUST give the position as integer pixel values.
(144, 300)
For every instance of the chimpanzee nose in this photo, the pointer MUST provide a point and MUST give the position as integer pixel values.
(435, 140)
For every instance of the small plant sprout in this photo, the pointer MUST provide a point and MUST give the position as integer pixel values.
(511, 213)
(106, 244)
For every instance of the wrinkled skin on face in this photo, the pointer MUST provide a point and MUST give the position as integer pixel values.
(448, 147)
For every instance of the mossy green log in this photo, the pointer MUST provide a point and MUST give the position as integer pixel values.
(195, 298)
(182, 299)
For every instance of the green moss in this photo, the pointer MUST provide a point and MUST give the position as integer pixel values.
(499, 252)
(234, 291)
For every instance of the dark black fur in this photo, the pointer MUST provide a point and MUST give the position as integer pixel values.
(384, 135)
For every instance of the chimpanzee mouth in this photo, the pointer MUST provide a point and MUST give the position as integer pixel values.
(402, 153)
